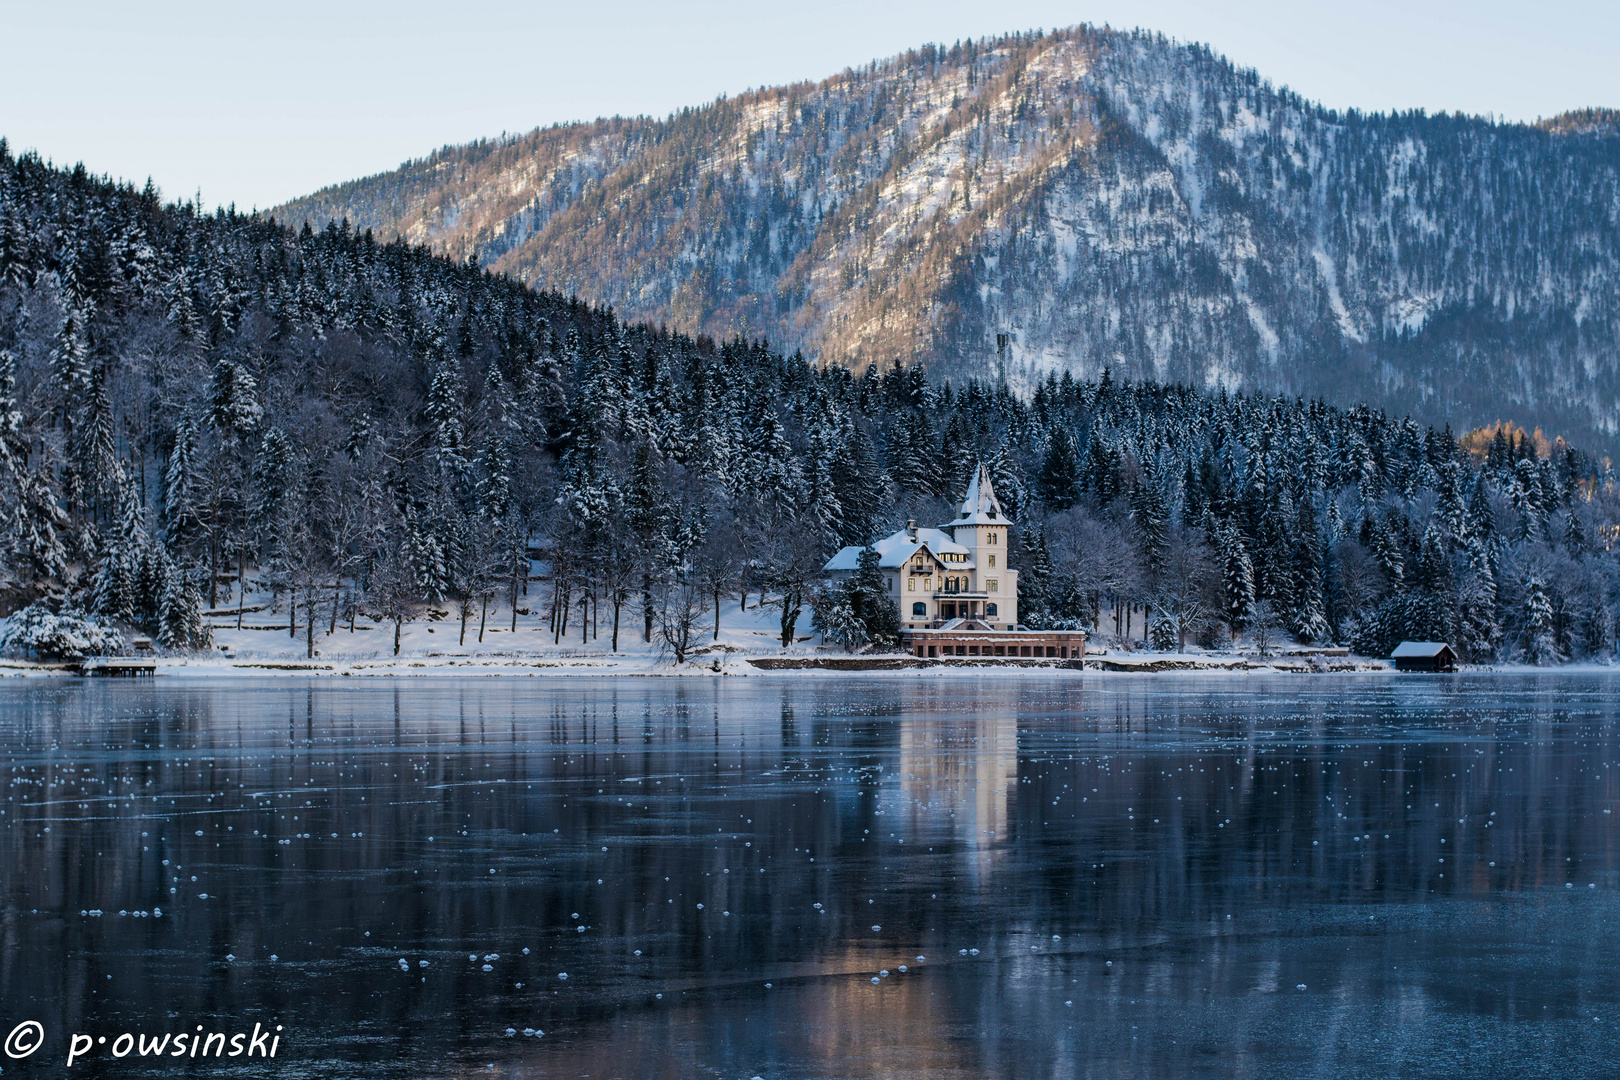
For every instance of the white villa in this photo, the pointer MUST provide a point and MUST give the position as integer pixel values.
(957, 571)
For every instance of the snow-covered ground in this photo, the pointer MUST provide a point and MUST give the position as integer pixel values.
(263, 645)
(434, 647)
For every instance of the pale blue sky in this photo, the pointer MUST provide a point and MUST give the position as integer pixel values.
(257, 103)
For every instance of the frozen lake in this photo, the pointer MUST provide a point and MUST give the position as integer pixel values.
(820, 877)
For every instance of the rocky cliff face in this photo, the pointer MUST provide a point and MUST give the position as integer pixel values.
(1068, 202)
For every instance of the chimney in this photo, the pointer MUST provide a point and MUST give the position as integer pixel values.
(911, 529)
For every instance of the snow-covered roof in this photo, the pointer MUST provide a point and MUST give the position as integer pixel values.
(980, 505)
(1418, 650)
(966, 624)
(895, 549)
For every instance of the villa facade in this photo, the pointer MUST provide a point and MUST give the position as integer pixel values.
(956, 593)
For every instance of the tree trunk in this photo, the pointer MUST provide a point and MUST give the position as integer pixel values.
(309, 623)
(241, 584)
(337, 594)
(790, 616)
(717, 613)
(463, 639)
(514, 589)
(617, 603)
(397, 624)
(292, 613)
(483, 617)
(213, 571)
(646, 607)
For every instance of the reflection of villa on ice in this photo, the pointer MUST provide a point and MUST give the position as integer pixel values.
(957, 595)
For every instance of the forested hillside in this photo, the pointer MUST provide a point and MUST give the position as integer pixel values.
(189, 399)
(1072, 201)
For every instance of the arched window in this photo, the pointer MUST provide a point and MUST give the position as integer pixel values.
(919, 610)
(990, 611)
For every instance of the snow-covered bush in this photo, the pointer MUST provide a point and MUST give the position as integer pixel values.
(48, 635)
(1162, 634)
(832, 615)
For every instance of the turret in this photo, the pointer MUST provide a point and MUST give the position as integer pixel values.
(981, 526)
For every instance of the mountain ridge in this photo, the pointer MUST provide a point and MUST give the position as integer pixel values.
(1074, 200)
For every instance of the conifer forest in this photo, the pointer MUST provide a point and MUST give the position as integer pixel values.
(202, 412)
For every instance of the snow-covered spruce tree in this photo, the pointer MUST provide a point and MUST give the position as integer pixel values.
(860, 486)
(1150, 519)
(445, 405)
(121, 586)
(70, 358)
(1308, 618)
(181, 626)
(913, 462)
(1539, 646)
(1237, 580)
(182, 487)
(1162, 629)
(1479, 632)
(822, 505)
(871, 602)
(233, 406)
(273, 480)
(834, 618)
(1035, 576)
(1058, 482)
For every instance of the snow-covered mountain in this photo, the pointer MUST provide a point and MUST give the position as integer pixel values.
(1075, 200)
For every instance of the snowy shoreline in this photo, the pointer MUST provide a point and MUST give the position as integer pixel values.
(812, 664)
(435, 647)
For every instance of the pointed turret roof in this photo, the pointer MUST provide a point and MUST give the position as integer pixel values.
(980, 505)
